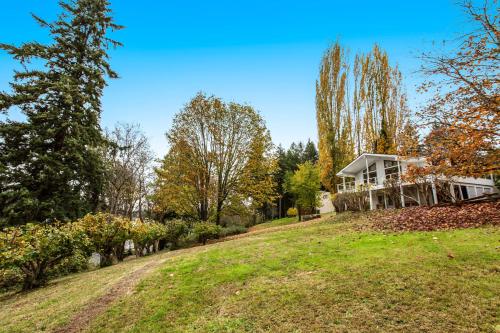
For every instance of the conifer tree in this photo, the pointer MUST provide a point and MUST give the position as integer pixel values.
(51, 167)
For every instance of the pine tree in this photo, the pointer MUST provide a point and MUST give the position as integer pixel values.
(310, 153)
(51, 167)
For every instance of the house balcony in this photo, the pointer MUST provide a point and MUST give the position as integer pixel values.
(358, 186)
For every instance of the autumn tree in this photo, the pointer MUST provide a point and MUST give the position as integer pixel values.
(128, 161)
(382, 101)
(333, 115)
(370, 119)
(219, 154)
(463, 114)
(50, 164)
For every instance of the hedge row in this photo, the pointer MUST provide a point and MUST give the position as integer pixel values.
(36, 252)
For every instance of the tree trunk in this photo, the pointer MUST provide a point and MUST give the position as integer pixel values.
(120, 251)
(106, 259)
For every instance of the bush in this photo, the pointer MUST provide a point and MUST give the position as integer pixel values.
(291, 212)
(107, 233)
(175, 229)
(10, 278)
(206, 230)
(146, 236)
(351, 201)
(77, 263)
(233, 230)
(35, 249)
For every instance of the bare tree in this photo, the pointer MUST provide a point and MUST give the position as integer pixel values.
(129, 171)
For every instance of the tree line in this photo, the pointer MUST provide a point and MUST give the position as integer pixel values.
(58, 164)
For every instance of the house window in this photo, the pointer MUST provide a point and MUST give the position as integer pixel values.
(465, 193)
(391, 170)
(372, 174)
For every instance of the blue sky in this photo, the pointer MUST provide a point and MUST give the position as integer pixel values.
(265, 53)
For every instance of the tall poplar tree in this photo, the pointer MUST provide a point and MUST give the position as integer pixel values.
(333, 116)
(371, 119)
(50, 163)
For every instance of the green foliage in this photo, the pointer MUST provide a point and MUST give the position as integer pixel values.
(233, 230)
(34, 249)
(288, 162)
(10, 277)
(50, 164)
(291, 212)
(146, 235)
(174, 230)
(107, 233)
(305, 185)
(220, 157)
(206, 230)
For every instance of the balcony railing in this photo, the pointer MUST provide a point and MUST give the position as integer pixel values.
(356, 186)
(349, 187)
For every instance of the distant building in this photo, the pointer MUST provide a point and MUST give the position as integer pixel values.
(326, 205)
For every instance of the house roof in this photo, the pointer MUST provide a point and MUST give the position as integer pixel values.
(360, 163)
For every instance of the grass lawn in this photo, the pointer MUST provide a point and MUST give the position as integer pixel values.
(275, 223)
(325, 277)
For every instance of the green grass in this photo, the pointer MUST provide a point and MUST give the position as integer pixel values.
(317, 278)
(276, 223)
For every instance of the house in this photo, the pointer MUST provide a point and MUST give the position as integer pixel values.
(379, 173)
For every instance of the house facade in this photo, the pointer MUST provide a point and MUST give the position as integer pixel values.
(378, 174)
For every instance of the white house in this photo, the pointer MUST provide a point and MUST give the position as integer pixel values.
(371, 171)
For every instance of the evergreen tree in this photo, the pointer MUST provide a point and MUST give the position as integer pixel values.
(310, 153)
(51, 166)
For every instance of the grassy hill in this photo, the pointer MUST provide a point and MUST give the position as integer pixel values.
(319, 276)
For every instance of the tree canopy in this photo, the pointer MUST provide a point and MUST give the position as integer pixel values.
(305, 186)
(50, 165)
(220, 158)
(360, 107)
(463, 115)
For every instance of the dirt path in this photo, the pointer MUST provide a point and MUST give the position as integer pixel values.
(82, 319)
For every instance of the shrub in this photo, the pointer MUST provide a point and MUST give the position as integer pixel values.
(291, 212)
(34, 249)
(206, 230)
(146, 235)
(10, 278)
(107, 233)
(77, 263)
(351, 201)
(233, 230)
(174, 230)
